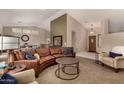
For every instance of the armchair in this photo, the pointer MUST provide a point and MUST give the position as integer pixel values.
(26, 77)
(116, 63)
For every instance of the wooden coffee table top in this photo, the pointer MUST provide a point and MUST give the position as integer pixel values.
(19, 67)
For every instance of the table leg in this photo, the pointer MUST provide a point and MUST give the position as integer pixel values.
(58, 70)
(78, 68)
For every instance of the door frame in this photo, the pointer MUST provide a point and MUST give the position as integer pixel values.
(89, 43)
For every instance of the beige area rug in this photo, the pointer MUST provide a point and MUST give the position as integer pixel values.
(90, 73)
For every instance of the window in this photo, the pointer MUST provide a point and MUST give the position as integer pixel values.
(17, 30)
(25, 31)
(35, 32)
(8, 42)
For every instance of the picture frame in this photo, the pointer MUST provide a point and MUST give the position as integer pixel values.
(57, 40)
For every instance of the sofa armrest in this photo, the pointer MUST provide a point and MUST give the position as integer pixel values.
(25, 77)
(104, 54)
(119, 58)
(30, 64)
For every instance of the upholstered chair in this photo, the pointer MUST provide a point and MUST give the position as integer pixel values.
(26, 77)
(117, 62)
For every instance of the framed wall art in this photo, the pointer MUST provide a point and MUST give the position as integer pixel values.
(57, 40)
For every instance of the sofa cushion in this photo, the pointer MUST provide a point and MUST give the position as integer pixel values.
(55, 51)
(43, 52)
(67, 50)
(58, 55)
(17, 55)
(46, 58)
(113, 55)
(32, 51)
(29, 56)
(20, 55)
(108, 59)
(37, 56)
(8, 79)
(11, 57)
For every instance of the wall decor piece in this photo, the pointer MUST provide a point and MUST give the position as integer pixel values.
(57, 40)
(25, 38)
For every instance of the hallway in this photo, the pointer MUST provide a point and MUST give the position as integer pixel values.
(85, 54)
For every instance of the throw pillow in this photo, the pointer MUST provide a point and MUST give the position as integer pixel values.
(113, 55)
(21, 54)
(68, 50)
(17, 55)
(37, 56)
(8, 79)
(29, 56)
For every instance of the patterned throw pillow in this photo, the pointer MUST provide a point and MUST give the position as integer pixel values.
(8, 79)
(17, 55)
(37, 56)
(20, 55)
(29, 56)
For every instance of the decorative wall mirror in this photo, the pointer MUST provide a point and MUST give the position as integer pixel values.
(25, 38)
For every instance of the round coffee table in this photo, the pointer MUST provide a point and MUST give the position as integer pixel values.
(64, 64)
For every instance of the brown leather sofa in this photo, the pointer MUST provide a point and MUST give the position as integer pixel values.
(47, 58)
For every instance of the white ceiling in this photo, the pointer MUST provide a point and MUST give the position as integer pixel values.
(32, 17)
(115, 17)
(42, 17)
(87, 17)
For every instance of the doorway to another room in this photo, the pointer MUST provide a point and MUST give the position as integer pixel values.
(92, 43)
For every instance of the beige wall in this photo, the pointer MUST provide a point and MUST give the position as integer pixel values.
(59, 27)
(102, 29)
(34, 39)
(111, 40)
(80, 34)
(65, 25)
(1, 28)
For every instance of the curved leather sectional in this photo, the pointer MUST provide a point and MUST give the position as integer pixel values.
(47, 58)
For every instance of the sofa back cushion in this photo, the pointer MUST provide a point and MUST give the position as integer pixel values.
(43, 52)
(20, 55)
(55, 51)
